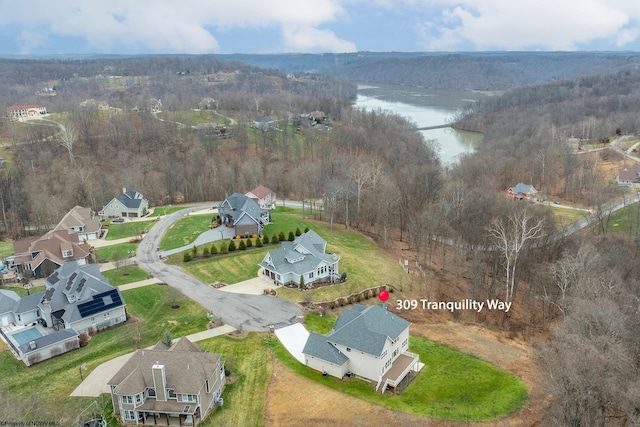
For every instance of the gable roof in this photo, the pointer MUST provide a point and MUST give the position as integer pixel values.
(366, 329)
(304, 254)
(131, 199)
(318, 346)
(523, 188)
(47, 340)
(630, 173)
(74, 292)
(79, 217)
(186, 366)
(260, 192)
(50, 246)
(8, 300)
(237, 205)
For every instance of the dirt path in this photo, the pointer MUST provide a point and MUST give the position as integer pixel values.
(294, 401)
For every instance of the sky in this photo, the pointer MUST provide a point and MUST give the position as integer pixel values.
(38, 27)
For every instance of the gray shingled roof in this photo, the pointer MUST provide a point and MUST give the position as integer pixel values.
(131, 199)
(186, 369)
(28, 303)
(238, 204)
(318, 346)
(366, 329)
(70, 286)
(307, 248)
(50, 339)
(8, 300)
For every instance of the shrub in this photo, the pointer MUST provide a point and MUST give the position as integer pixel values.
(224, 248)
(214, 249)
(281, 236)
(291, 236)
(249, 243)
(258, 243)
(232, 246)
(83, 339)
(265, 240)
(255, 236)
(275, 238)
(206, 252)
(306, 229)
(298, 232)
(186, 257)
(242, 245)
(194, 251)
(301, 281)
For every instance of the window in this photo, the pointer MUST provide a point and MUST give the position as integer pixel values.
(172, 394)
(405, 343)
(138, 399)
(67, 253)
(129, 415)
(311, 275)
(152, 392)
(383, 355)
(107, 315)
(127, 400)
(348, 349)
(188, 398)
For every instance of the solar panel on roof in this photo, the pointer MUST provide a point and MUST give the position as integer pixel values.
(97, 304)
(53, 279)
(48, 294)
(81, 285)
(70, 281)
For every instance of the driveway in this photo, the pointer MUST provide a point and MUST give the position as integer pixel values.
(293, 338)
(243, 312)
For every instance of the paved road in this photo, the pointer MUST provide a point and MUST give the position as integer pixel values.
(243, 312)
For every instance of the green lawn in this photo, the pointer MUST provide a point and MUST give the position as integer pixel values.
(50, 383)
(364, 262)
(21, 291)
(231, 268)
(185, 231)
(322, 325)
(451, 386)
(166, 210)
(118, 251)
(125, 275)
(624, 221)
(6, 249)
(128, 229)
(249, 360)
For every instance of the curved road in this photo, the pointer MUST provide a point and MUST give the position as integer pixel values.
(243, 312)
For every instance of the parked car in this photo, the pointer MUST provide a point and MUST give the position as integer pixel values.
(555, 202)
(541, 200)
(117, 220)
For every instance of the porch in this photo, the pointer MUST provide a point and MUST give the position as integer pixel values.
(403, 370)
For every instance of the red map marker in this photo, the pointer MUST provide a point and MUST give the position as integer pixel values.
(383, 295)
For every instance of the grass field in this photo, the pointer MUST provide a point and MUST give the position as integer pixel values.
(451, 386)
(166, 210)
(185, 231)
(364, 262)
(46, 387)
(6, 249)
(125, 275)
(119, 251)
(322, 325)
(248, 359)
(624, 221)
(128, 229)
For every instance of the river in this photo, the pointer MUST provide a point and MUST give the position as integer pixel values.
(425, 107)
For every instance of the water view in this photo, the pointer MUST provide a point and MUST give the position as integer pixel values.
(425, 107)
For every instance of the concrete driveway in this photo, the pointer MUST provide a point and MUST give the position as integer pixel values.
(243, 312)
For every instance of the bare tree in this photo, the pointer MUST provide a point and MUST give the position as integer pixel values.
(67, 138)
(512, 236)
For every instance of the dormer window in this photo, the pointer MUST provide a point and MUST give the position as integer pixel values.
(67, 253)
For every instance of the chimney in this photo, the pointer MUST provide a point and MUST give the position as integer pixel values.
(159, 382)
(124, 190)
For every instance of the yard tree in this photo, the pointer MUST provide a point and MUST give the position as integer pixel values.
(302, 281)
(213, 249)
(281, 237)
(258, 242)
(67, 138)
(291, 236)
(242, 245)
(265, 239)
(232, 246)
(223, 247)
(511, 236)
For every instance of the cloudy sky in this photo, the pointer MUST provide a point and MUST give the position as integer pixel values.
(273, 26)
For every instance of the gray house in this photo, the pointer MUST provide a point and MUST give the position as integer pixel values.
(81, 298)
(82, 221)
(368, 342)
(264, 123)
(178, 384)
(128, 204)
(243, 214)
(78, 299)
(304, 257)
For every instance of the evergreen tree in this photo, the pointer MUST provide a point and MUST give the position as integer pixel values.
(232, 246)
(275, 238)
(291, 236)
(302, 281)
(281, 236)
(298, 232)
(224, 248)
(206, 252)
(242, 245)
(194, 251)
(306, 229)
(265, 239)
(250, 243)
(214, 249)
(258, 243)
(186, 257)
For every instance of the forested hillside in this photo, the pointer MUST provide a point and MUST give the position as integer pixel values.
(179, 129)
